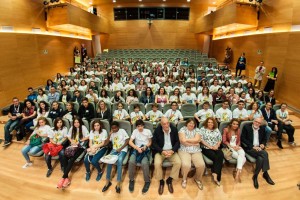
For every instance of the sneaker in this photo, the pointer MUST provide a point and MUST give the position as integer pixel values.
(49, 172)
(60, 183)
(292, 143)
(199, 184)
(87, 176)
(183, 184)
(6, 144)
(66, 183)
(98, 178)
(27, 165)
(146, 187)
(131, 185)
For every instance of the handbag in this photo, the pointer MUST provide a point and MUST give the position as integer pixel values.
(109, 159)
(52, 149)
(227, 153)
(70, 151)
(35, 140)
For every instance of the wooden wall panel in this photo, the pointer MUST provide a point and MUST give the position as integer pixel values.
(23, 64)
(280, 50)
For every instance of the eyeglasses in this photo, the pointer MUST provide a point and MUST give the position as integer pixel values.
(257, 122)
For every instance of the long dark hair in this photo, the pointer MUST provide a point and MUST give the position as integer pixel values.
(74, 129)
(99, 122)
(56, 122)
(46, 107)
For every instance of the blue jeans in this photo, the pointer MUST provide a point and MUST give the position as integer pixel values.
(9, 127)
(29, 149)
(119, 163)
(94, 160)
(268, 132)
(61, 157)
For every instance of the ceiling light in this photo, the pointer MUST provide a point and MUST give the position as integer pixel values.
(114, 1)
(188, 0)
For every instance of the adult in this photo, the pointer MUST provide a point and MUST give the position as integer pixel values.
(165, 144)
(147, 96)
(254, 140)
(259, 72)
(14, 115)
(283, 116)
(211, 139)
(272, 77)
(240, 65)
(190, 152)
(86, 110)
(232, 139)
(53, 95)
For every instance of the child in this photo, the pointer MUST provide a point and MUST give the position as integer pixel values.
(121, 113)
(137, 114)
(34, 142)
(142, 141)
(173, 114)
(97, 144)
(119, 139)
(154, 115)
(167, 87)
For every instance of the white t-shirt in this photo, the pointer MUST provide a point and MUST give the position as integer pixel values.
(97, 138)
(213, 88)
(153, 116)
(176, 115)
(180, 88)
(116, 87)
(85, 133)
(120, 114)
(174, 98)
(205, 98)
(141, 138)
(129, 87)
(168, 89)
(237, 113)
(224, 115)
(135, 116)
(204, 114)
(118, 139)
(189, 98)
(281, 114)
(232, 81)
(91, 98)
(82, 87)
(44, 130)
(58, 135)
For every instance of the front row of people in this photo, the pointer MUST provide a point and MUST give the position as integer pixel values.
(182, 149)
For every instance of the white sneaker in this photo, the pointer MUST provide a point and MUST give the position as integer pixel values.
(27, 165)
(183, 184)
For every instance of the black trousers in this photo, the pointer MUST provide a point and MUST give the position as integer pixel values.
(68, 164)
(217, 157)
(280, 129)
(290, 130)
(262, 160)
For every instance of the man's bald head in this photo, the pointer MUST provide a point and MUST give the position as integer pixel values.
(164, 122)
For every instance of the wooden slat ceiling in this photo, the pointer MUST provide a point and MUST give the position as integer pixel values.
(99, 2)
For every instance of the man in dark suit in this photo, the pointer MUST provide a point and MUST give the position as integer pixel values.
(270, 116)
(253, 142)
(165, 144)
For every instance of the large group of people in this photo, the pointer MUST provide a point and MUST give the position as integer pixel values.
(114, 90)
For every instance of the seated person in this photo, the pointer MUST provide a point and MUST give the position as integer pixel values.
(77, 97)
(174, 115)
(55, 111)
(32, 95)
(121, 113)
(53, 95)
(64, 97)
(224, 114)
(165, 144)
(218, 97)
(204, 113)
(119, 139)
(86, 110)
(147, 96)
(136, 114)
(240, 112)
(270, 116)
(283, 116)
(154, 115)
(253, 140)
(140, 141)
(189, 97)
(92, 96)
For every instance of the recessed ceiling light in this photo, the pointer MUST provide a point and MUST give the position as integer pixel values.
(140, 0)
(188, 0)
(114, 1)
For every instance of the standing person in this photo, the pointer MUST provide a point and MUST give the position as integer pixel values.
(211, 139)
(165, 144)
(142, 141)
(97, 150)
(57, 137)
(119, 139)
(232, 139)
(190, 152)
(259, 72)
(240, 65)
(272, 77)
(83, 52)
(77, 136)
(14, 115)
(254, 140)
(34, 142)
